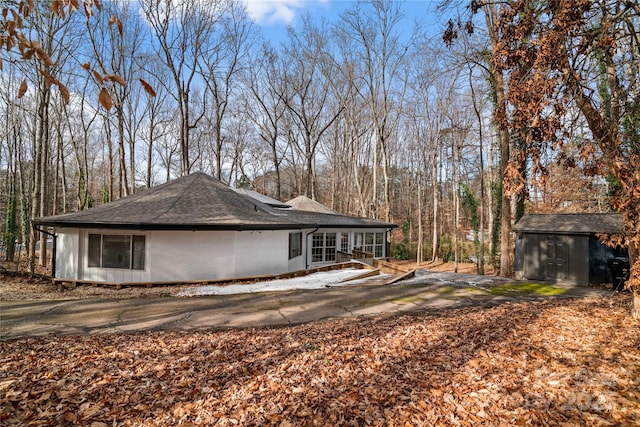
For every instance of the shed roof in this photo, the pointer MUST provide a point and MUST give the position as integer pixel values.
(194, 202)
(570, 223)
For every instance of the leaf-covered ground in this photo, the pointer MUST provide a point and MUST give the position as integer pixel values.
(562, 362)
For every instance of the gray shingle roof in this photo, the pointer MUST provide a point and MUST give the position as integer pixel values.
(570, 223)
(197, 201)
(330, 220)
(261, 198)
(303, 203)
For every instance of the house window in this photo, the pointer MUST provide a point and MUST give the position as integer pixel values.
(330, 247)
(370, 242)
(378, 246)
(317, 247)
(344, 242)
(121, 251)
(358, 241)
(323, 247)
(295, 245)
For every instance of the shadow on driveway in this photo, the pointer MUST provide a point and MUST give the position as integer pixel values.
(426, 292)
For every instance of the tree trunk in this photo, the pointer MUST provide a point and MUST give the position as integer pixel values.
(110, 154)
(44, 181)
(184, 132)
(456, 200)
(56, 175)
(219, 143)
(150, 149)
(500, 116)
(505, 148)
(385, 178)
(42, 138)
(481, 159)
(419, 252)
(11, 224)
(434, 185)
(373, 208)
(123, 191)
(276, 165)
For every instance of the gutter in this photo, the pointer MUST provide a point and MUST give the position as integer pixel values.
(207, 227)
(306, 242)
(53, 248)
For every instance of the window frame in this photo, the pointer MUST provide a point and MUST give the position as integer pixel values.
(344, 242)
(324, 246)
(295, 244)
(373, 242)
(134, 255)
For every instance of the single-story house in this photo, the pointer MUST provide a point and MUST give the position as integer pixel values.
(565, 247)
(197, 228)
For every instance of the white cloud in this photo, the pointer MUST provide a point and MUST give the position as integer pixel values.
(271, 12)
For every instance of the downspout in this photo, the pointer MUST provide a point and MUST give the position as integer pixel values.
(306, 243)
(387, 244)
(53, 247)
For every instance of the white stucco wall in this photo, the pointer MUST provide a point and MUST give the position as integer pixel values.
(261, 252)
(207, 255)
(67, 250)
(192, 255)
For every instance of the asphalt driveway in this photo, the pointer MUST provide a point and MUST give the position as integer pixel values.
(427, 291)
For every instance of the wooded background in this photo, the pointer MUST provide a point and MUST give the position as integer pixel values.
(452, 137)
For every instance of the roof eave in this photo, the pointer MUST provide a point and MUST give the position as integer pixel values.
(586, 233)
(201, 227)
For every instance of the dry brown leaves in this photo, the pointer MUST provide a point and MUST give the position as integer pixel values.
(546, 363)
(17, 288)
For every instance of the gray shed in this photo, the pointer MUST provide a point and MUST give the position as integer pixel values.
(565, 248)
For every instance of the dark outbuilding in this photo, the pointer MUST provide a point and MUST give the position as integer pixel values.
(565, 247)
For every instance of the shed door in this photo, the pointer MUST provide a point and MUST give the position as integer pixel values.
(534, 256)
(557, 258)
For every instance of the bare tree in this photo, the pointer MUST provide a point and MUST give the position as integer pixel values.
(115, 45)
(183, 32)
(266, 109)
(307, 95)
(43, 73)
(498, 78)
(376, 44)
(221, 63)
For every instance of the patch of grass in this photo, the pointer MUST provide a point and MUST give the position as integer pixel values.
(445, 290)
(408, 299)
(526, 288)
(474, 290)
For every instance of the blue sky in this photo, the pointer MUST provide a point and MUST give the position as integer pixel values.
(273, 16)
